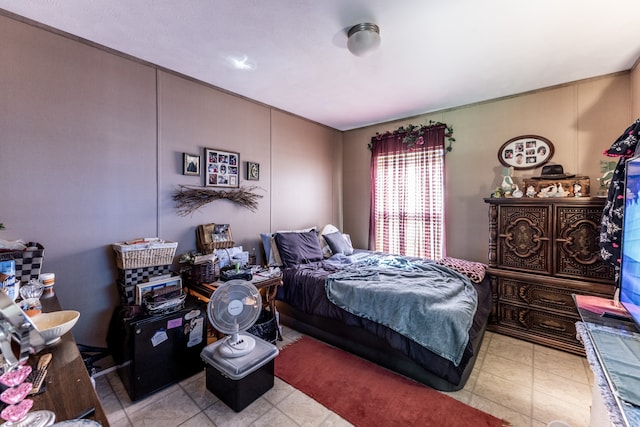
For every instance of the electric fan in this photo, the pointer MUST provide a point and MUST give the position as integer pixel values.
(235, 306)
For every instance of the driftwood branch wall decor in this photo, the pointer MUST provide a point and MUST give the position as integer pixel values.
(189, 199)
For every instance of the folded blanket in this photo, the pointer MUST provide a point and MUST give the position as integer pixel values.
(424, 301)
(473, 270)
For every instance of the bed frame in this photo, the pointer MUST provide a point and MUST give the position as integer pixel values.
(366, 345)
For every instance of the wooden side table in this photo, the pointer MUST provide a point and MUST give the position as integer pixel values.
(261, 281)
(270, 285)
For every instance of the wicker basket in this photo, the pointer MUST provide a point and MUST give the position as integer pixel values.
(146, 254)
(265, 327)
(205, 242)
(206, 272)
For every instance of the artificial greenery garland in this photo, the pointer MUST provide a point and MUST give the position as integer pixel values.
(413, 134)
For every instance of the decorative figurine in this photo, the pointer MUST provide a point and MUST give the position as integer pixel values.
(517, 193)
(560, 191)
(549, 191)
(507, 182)
(531, 191)
(577, 190)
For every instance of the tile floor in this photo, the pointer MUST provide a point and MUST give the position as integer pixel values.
(526, 384)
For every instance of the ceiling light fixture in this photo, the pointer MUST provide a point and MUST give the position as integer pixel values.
(363, 39)
(241, 62)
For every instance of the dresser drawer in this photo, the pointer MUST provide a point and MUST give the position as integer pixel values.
(539, 323)
(536, 295)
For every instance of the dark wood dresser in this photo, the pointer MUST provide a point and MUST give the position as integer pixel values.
(541, 251)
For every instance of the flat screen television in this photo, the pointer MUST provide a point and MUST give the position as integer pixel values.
(629, 280)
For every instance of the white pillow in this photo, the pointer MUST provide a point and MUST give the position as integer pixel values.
(275, 254)
(328, 229)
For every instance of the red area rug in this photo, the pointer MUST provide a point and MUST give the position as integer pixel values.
(366, 394)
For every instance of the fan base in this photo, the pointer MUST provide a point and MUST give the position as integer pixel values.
(236, 346)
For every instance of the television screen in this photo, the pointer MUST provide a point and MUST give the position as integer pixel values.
(630, 262)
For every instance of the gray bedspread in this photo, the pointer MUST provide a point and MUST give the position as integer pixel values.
(421, 300)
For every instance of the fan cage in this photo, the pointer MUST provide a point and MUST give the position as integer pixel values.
(236, 291)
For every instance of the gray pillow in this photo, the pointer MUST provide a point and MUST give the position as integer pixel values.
(338, 243)
(298, 248)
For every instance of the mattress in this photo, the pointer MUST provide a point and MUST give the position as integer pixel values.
(304, 291)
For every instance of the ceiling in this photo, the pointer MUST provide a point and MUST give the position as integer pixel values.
(434, 54)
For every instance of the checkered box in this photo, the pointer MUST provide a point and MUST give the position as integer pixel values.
(28, 262)
(133, 276)
(127, 294)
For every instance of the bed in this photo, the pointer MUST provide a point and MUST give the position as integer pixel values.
(337, 294)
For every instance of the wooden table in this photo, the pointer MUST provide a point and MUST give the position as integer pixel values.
(270, 285)
(69, 391)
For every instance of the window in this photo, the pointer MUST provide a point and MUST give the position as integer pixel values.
(407, 211)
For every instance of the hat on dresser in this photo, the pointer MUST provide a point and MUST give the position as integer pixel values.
(553, 172)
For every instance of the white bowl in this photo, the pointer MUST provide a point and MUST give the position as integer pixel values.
(55, 324)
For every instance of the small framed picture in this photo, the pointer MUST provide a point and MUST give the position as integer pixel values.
(144, 288)
(221, 168)
(190, 164)
(525, 152)
(253, 171)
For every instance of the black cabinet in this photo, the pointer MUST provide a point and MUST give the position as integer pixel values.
(155, 351)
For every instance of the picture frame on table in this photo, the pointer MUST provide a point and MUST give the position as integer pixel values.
(142, 289)
(221, 168)
(526, 152)
(190, 164)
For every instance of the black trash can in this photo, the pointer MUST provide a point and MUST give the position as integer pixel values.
(265, 327)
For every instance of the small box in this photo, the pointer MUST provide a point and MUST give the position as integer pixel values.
(134, 276)
(239, 381)
(28, 262)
